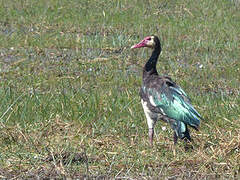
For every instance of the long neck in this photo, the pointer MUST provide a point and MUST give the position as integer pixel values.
(150, 66)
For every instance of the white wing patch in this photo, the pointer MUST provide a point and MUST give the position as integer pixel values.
(152, 101)
(162, 111)
(154, 104)
(147, 112)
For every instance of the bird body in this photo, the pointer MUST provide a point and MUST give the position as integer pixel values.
(163, 99)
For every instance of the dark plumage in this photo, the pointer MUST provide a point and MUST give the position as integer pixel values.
(163, 99)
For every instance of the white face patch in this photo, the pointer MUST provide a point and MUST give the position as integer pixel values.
(151, 42)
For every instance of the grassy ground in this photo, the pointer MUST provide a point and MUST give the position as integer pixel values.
(69, 88)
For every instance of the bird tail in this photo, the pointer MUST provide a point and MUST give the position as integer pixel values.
(180, 129)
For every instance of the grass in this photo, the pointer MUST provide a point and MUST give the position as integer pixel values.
(69, 88)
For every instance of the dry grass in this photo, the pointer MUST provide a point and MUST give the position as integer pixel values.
(70, 150)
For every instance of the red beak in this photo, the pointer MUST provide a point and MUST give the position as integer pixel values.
(143, 43)
(139, 45)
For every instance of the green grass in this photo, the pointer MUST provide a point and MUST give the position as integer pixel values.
(69, 88)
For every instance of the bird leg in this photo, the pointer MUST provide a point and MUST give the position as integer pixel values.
(175, 138)
(150, 134)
